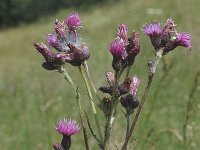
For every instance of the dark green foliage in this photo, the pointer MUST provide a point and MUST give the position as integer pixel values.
(13, 12)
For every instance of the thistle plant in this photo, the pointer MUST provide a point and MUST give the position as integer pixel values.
(71, 49)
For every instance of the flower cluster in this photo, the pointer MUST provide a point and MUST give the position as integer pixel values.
(125, 90)
(71, 49)
(167, 37)
(124, 49)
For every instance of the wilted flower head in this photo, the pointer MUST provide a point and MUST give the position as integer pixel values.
(134, 84)
(122, 32)
(133, 47)
(67, 127)
(184, 39)
(60, 28)
(152, 29)
(73, 21)
(169, 26)
(111, 78)
(117, 48)
(45, 51)
(77, 55)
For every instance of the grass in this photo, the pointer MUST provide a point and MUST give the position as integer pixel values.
(33, 99)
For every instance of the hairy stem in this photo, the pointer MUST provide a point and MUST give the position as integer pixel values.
(92, 102)
(112, 111)
(70, 81)
(127, 122)
(128, 71)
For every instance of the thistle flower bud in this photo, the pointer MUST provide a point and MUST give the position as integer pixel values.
(53, 61)
(45, 51)
(106, 89)
(133, 48)
(110, 78)
(52, 40)
(134, 84)
(77, 55)
(122, 33)
(125, 86)
(117, 48)
(169, 26)
(60, 28)
(130, 101)
(105, 105)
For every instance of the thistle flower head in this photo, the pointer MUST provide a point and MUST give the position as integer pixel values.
(152, 29)
(183, 39)
(117, 47)
(133, 86)
(73, 21)
(122, 32)
(52, 40)
(67, 127)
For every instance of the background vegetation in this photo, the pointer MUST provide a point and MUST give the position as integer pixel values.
(33, 99)
(13, 12)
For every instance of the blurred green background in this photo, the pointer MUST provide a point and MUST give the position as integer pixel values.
(32, 99)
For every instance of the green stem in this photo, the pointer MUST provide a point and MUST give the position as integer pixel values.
(92, 102)
(128, 122)
(152, 70)
(111, 116)
(70, 81)
(128, 71)
(90, 79)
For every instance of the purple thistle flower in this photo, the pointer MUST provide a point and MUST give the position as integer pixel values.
(122, 32)
(152, 29)
(184, 39)
(117, 48)
(73, 21)
(67, 127)
(52, 40)
(133, 86)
